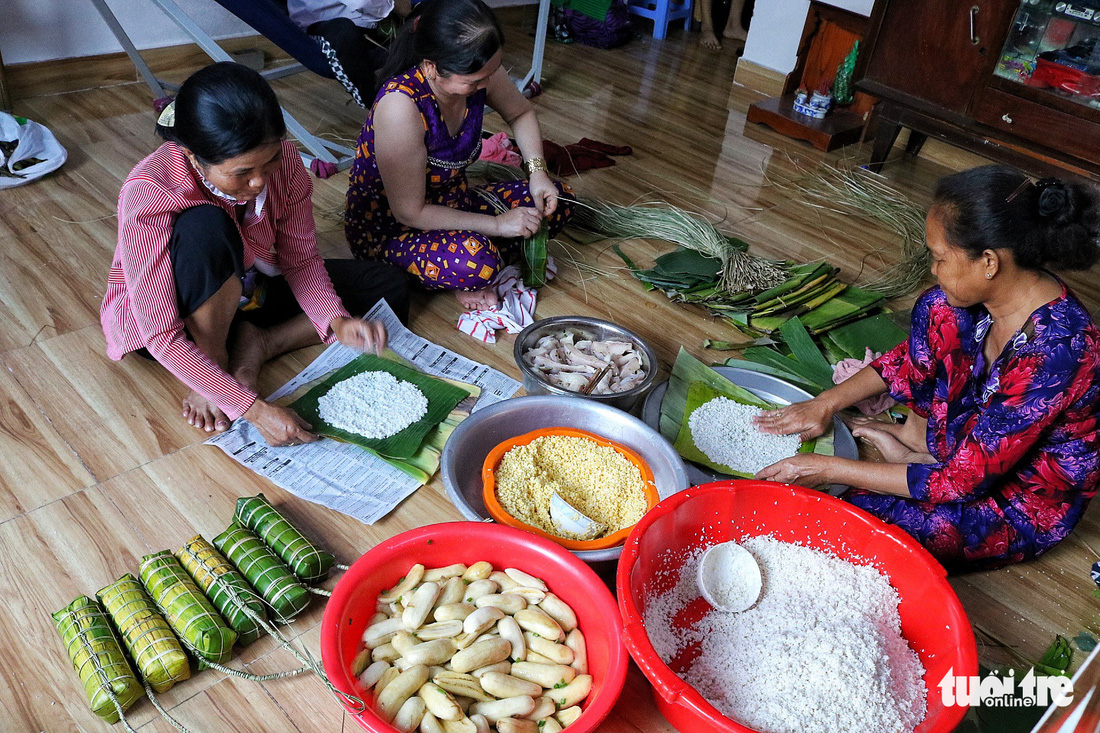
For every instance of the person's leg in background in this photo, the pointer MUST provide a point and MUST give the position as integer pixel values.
(353, 58)
(362, 283)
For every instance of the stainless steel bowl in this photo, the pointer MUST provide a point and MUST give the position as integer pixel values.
(589, 328)
(478, 434)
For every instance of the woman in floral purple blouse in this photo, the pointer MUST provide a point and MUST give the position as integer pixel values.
(1001, 371)
(408, 200)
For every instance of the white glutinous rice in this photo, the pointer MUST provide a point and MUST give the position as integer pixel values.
(722, 429)
(821, 651)
(372, 404)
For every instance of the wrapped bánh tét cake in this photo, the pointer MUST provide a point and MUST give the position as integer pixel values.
(97, 658)
(305, 559)
(224, 586)
(154, 648)
(190, 613)
(264, 571)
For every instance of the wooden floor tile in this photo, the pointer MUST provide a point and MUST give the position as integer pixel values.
(115, 415)
(36, 465)
(231, 705)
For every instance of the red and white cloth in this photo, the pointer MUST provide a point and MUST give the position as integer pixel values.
(846, 368)
(515, 312)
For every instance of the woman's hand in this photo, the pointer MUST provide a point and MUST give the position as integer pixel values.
(543, 192)
(805, 469)
(280, 426)
(809, 419)
(355, 333)
(522, 221)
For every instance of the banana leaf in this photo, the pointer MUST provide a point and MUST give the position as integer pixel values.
(224, 586)
(442, 398)
(685, 371)
(805, 351)
(97, 657)
(850, 304)
(154, 648)
(807, 292)
(785, 375)
(700, 393)
(771, 357)
(309, 562)
(263, 569)
(190, 613)
(682, 262)
(535, 256)
(878, 333)
(800, 276)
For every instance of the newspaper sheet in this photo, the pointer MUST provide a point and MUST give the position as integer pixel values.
(345, 477)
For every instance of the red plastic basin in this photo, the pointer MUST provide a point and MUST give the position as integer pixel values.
(932, 619)
(353, 600)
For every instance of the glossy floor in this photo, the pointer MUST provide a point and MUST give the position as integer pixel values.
(97, 468)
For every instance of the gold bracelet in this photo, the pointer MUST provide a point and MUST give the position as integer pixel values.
(534, 164)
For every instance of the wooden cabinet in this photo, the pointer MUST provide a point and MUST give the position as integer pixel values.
(1014, 80)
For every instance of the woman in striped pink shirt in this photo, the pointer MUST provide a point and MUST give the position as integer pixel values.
(217, 270)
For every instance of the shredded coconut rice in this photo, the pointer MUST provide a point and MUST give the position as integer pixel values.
(821, 651)
(722, 429)
(372, 404)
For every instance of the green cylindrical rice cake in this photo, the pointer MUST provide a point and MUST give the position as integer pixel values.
(305, 559)
(263, 569)
(224, 586)
(190, 613)
(97, 657)
(146, 634)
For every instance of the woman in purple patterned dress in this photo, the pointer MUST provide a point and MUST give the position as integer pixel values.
(408, 202)
(1001, 371)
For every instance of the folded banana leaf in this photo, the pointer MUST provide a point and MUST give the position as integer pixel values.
(442, 398)
(190, 613)
(805, 351)
(700, 393)
(224, 586)
(97, 657)
(535, 256)
(263, 569)
(309, 562)
(425, 462)
(154, 648)
(800, 275)
(878, 333)
(849, 305)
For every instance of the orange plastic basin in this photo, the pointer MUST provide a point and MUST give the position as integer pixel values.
(498, 512)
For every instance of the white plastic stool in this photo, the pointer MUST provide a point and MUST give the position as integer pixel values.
(662, 12)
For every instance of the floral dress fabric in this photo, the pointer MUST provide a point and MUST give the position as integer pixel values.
(439, 259)
(1015, 441)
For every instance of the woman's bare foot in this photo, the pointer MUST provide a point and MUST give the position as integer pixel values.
(248, 353)
(710, 41)
(733, 30)
(477, 300)
(203, 414)
(891, 449)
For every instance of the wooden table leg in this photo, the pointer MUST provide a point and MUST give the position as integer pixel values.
(886, 134)
(915, 142)
(5, 95)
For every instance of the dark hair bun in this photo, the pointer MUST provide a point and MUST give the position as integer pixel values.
(1054, 201)
(1050, 224)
